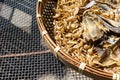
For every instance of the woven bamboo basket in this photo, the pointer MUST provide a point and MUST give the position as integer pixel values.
(44, 14)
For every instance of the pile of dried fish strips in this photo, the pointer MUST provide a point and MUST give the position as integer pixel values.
(89, 31)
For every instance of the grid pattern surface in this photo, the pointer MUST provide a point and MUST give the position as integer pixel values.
(23, 54)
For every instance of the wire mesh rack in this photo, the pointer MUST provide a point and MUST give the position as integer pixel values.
(23, 53)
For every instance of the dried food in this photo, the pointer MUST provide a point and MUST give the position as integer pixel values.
(89, 30)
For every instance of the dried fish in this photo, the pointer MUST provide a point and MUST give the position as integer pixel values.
(89, 30)
(111, 25)
(90, 4)
(105, 7)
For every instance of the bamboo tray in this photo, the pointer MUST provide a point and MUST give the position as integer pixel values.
(44, 14)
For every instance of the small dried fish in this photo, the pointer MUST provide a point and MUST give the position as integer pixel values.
(106, 58)
(91, 29)
(105, 7)
(90, 4)
(56, 16)
(111, 25)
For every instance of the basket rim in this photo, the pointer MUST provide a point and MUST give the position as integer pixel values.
(61, 55)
